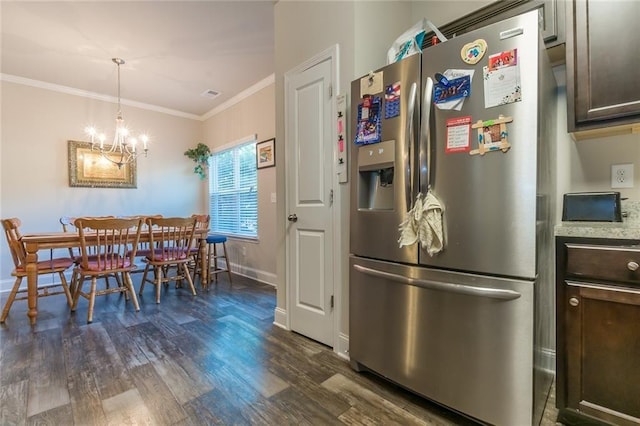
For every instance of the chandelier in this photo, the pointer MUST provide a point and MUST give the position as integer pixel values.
(124, 148)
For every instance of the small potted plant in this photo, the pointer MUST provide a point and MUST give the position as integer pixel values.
(200, 155)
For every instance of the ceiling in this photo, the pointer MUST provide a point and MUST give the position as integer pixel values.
(174, 51)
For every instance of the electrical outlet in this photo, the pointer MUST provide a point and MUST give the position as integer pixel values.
(622, 176)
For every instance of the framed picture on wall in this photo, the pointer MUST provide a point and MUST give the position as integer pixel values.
(88, 168)
(266, 154)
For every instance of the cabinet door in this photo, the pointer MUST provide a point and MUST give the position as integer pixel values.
(603, 56)
(603, 352)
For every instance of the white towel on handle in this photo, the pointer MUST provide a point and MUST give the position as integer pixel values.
(424, 224)
(409, 227)
(430, 230)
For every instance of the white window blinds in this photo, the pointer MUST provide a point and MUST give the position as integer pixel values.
(233, 191)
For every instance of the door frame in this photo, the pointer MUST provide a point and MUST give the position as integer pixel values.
(331, 54)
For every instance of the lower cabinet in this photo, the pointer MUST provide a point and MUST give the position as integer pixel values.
(598, 372)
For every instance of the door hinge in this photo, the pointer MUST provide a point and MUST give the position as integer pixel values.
(332, 301)
(331, 197)
(330, 91)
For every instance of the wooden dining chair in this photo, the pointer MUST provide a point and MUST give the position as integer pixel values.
(144, 247)
(171, 239)
(105, 249)
(19, 254)
(202, 224)
(68, 225)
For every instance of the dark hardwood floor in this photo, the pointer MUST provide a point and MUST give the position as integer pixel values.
(214, 358)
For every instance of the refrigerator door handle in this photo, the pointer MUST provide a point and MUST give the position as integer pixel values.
(493, 293)
(425, 151)
(409, 142)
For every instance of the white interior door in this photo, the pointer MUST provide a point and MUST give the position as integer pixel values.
(309, 202)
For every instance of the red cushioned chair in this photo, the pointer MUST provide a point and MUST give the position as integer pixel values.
(108, 247)
(19, 255)
(172, 240)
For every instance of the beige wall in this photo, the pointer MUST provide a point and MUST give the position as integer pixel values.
(253, 115)
(36, 125)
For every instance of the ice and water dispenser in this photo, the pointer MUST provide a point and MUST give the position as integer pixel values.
(376, 176)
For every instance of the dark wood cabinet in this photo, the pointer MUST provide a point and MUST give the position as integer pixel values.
(602, 59)
(598, 331)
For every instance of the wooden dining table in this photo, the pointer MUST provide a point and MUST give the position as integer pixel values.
(35, 242)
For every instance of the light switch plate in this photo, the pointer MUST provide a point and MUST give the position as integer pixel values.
(622, 176)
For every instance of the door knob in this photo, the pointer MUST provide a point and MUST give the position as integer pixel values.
(292, 218)
(574, 301)
(632, 266)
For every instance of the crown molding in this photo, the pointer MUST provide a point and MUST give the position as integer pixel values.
(240, 96)
(106, 98)
(92, 95)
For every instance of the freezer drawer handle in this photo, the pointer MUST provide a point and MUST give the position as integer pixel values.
(493, 293)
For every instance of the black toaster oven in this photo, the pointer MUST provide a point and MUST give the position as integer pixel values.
(592, 207)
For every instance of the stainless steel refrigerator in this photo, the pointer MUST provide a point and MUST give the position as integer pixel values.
(464, 327)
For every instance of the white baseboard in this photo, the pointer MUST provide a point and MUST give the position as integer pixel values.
(280, 318)
(261, 276)
(342, 346)
(255, 274)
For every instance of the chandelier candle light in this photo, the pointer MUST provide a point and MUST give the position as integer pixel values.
(123, 150)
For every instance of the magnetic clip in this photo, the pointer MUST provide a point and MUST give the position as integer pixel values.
(371, 77)
(441, 79)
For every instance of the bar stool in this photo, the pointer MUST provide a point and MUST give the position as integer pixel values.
(212, 254)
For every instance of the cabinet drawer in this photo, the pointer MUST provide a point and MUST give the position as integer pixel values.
(610, 263)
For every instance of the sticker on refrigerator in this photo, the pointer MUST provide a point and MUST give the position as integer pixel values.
(471, 53)
(502, 79)
(451, 89)
(368, 124)
(492, 135)
(392, 100)
(458, 134)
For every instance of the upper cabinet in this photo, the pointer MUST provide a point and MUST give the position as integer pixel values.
(603, 60)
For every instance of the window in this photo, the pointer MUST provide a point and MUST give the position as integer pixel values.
(233, 190)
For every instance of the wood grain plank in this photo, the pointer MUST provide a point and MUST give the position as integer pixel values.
(369, 405)
(302, 383)
(302, 409)
(183, 377)
(86, 403)
(13, 409)
(127, 408)
(158, 398)
(130, 353)
(14, 355)
(96, 353)
(55, 417)
(47, 381)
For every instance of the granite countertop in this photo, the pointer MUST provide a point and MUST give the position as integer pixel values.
(629, 228)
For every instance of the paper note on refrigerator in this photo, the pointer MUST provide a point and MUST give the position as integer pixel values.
(501, 85)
